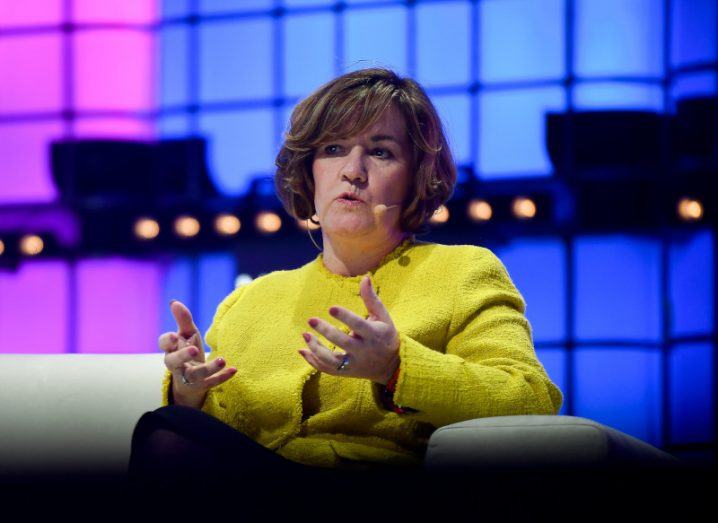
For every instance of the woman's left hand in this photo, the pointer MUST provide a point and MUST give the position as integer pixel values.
(372, 346)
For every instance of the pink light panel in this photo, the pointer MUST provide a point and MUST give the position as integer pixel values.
(118, 309)
(128, 128)
(24, 162)
(16, 13)
(113, 70)
(30, 68)
(123, 12)
(33, 308)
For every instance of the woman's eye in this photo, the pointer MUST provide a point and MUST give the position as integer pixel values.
(382, 153)
(331, 149)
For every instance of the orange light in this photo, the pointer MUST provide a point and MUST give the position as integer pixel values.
(2, 247)
(268, 222)
(186, 226)
(524, 208)
(31, 245)
(690, 210)
(480, 210)
(147, 229)
(227, 224)
(441, 215)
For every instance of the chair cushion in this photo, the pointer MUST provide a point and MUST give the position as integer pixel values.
(537, 441)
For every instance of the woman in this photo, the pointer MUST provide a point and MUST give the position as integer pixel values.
(351, 361)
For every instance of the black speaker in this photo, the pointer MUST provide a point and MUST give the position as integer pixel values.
(114, 171)
(604, 144)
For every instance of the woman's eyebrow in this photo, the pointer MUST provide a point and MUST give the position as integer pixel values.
(383, 137)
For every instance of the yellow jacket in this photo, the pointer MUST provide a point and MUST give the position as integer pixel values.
(465, 348)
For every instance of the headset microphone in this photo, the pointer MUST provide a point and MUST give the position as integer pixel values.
(381, 209)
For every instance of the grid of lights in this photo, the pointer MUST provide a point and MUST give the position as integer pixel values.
(224, 226)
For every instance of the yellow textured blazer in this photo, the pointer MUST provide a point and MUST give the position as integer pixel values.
(465, 347)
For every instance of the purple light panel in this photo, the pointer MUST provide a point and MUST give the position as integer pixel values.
(14, 13)
(118, 305)
(113, 70)
(124, 12)
(33, 308)
(30, 68)
(24, 168)
(134, 128)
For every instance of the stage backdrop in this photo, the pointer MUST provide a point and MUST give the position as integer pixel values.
(232, 70)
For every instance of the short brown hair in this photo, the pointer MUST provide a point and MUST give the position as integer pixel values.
(349, 104)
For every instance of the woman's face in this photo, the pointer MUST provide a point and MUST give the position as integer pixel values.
(373, 168)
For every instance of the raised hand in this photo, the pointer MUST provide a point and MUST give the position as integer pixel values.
(192, 376)
(371, 349)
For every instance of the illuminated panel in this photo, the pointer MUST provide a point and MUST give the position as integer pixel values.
(307, 3)
(521, 40)
(512, 133)
(30, 68)
(216, 280)
(176, 285)
(308, 52)
(694, 31)
(33, 308)
(692, 393)
(174, 8)
(618, 96)
(615, 37)
(113, 70)
(537, 268)
(135, 128)
(173, 72)
(617, 288)
(694, 84)
(118, 309)
(125, 12)
(230, 6)
(691, 285)
(235, 60)
(443, 43)
(620, 388)
(24, 168)
(376, 38)
(241, 145)
(37, 12)
(174, 126)
(455, 112)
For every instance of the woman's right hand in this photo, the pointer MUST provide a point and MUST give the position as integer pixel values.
(184, 356)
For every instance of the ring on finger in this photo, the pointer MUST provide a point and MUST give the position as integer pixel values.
(185, 381)
(344, 363)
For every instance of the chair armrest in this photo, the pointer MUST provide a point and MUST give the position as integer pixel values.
(538, 441)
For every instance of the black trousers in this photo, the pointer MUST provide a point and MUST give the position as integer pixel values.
(183, 450)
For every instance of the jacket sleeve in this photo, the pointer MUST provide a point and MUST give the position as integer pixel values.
(212, 404)
(488, 366)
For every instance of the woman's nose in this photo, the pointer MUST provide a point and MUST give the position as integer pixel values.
(354, 169)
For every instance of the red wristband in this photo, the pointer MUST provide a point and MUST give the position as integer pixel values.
(391, 384)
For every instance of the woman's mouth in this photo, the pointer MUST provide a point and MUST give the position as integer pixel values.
(349, 200)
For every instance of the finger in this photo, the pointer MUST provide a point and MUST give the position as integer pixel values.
(175, 360)
(195, 373)
(219, 377)
(183, 317)
(360, 326)
(168, 342)
(333, 334)
(310, 358)
(372, 301)
(326, 360)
